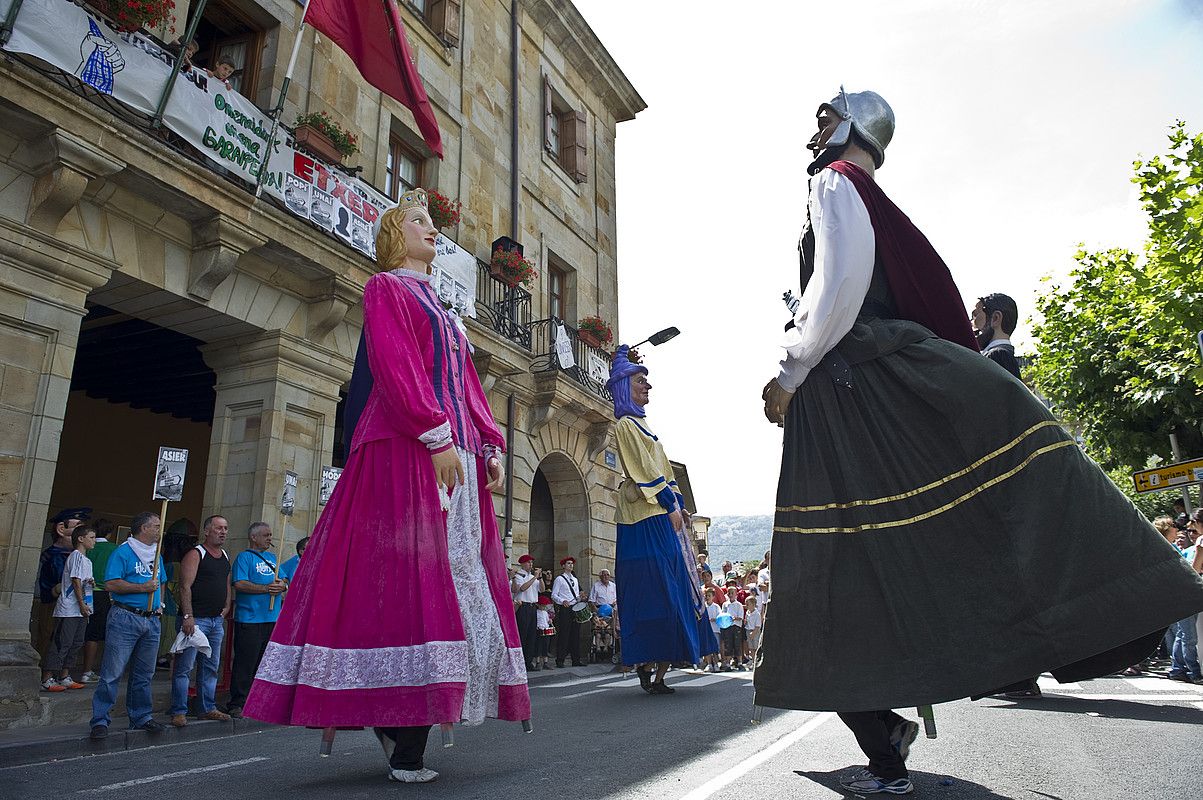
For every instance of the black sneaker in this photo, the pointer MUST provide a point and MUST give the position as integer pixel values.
(99, 732)
(150, 726)
(235, 712)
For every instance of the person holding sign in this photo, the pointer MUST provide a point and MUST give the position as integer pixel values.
(400, 616)
(664, 615)
(132, 633)
(256, 585)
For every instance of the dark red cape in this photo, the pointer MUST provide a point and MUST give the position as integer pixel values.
(920, 282)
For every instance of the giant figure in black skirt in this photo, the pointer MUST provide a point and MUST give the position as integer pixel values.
(879, 599)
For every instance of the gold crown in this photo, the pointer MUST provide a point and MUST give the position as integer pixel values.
(415, 198)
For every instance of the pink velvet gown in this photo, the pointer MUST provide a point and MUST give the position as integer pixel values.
(400, 612)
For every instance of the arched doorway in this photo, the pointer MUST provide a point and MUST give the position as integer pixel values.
(559, 516)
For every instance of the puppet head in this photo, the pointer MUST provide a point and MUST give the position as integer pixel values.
(619, 384)
(390, 238)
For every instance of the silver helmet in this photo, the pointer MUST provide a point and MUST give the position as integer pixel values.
(869, 115)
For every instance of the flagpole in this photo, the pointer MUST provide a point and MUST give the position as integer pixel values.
(189, 34)
(279, 108)
(10, 22)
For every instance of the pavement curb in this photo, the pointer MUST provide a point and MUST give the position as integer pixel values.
(40, 745)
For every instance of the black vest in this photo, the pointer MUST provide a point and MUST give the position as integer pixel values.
(209, 588)
(878, 300)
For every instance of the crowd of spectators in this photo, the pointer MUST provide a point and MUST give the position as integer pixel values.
(102, 604)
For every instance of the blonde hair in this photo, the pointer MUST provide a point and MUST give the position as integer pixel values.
(1165, 526)
(390, 239)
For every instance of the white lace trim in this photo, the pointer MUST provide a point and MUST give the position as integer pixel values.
(490, 663)
(437, 438)
(372, 668)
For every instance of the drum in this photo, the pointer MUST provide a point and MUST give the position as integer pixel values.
(582, 612)
(549, 631)
(724, 621)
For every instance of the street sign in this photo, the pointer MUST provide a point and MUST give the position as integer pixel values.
(1171, 476)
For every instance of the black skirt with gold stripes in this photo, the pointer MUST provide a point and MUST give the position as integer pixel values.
(938, 535)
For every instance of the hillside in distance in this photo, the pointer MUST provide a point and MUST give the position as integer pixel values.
(740, 538)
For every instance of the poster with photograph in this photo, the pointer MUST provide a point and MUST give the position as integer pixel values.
(342, 221)
(330, 476)
(169, 474)
(288, 500)
(296, 195)
(361, 236)
(599, 370)
(321, 208)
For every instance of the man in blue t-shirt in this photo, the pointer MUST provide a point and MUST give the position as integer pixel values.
(255, 585)
(132, 630)
(289, 569)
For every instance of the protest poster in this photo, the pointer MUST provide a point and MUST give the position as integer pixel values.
(288, 498)
(169, 474)
(330, 476)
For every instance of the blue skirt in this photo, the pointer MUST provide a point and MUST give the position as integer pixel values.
(659, 614)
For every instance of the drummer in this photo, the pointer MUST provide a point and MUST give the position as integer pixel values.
(565, 593)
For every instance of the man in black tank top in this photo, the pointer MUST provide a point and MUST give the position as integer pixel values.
(205, 602)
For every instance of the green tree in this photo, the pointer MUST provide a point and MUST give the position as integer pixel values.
(1116, 348)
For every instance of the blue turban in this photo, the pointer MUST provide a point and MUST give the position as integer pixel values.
(621, 370)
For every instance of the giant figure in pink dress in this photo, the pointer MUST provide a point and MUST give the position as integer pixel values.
(400, 616)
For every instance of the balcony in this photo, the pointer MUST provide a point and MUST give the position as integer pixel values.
(592, 364)
(504, 308)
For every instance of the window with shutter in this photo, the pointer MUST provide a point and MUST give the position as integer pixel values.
(444, 18)
(565, 134)
(573, 152)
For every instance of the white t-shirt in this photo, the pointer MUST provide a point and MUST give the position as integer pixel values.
(752, 621)
(763, 578)
(603, 593)
(735, 609)
(713, 611)
(542, 618)
(78, 566)
(531, 594)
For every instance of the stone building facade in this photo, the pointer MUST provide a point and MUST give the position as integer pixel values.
(147, 299)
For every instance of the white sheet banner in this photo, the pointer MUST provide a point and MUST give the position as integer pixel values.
(221, 124)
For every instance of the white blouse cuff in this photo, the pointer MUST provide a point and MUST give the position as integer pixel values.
(437, 438)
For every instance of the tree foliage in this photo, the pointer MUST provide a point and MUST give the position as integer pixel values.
(1116, 349)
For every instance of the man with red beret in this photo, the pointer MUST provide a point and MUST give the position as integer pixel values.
(525, 588)
(566, 592)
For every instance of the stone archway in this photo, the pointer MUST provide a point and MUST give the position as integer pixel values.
(559, 515)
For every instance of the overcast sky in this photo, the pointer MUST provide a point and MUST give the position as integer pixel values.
(1017, 126)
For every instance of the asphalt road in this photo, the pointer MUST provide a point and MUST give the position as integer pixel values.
(600, 737)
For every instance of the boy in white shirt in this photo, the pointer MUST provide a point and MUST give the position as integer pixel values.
(71, 612)
(733, 637)
(713, 609)
(751, 627)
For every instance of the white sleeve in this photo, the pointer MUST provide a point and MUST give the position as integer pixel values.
(560, 590)
(843, 270)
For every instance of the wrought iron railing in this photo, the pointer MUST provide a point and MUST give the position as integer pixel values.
(590, 365)
(504, 308)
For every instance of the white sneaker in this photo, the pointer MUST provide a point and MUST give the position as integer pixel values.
(412, 775)
(89, 677)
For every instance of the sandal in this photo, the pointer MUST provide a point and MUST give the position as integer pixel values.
(645, 677)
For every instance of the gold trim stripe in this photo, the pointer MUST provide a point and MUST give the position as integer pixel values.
(913, 492)
(919, 518)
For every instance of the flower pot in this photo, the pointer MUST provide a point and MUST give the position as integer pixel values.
(508, 280)
(589, 339)
(319, 144)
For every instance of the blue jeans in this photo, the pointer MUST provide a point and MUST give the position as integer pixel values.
(1184, 660)
(214, 629)
(129, 640)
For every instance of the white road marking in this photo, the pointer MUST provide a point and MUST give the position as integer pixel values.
(575, 681)
(1162, 685)
(719, 782)
(1048, 683)
(128, 752)
(704, 680)
(616, 685)
(169, 775)
(1131, 698)
(1199, 704)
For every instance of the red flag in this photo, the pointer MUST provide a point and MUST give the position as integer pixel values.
(371, 33)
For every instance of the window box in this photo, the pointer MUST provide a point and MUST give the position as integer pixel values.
(319, 144)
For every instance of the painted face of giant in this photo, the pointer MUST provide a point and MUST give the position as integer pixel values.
(640, 389)
(420, 234)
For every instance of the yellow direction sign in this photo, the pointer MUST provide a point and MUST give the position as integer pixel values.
(1169, 476)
